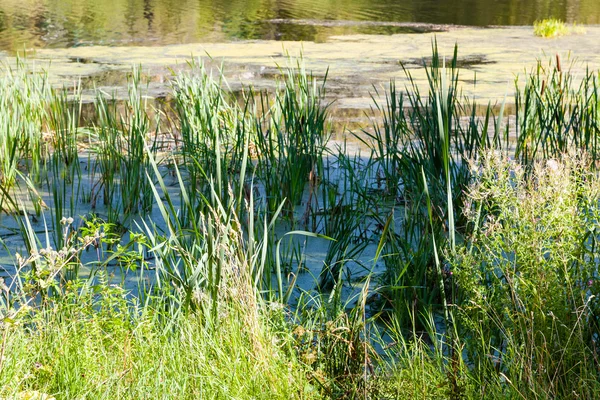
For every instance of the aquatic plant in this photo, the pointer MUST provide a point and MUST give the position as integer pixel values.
(556, 112)
(123, 136)
(423, 146)
(550, 28)
(64, 116)
(25, 96)
(215, 132)
(346, 212)
(138, 139)
(291, 137)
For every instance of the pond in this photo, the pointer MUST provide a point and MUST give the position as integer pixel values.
(313, 170)
(359, 47)
(71, 23)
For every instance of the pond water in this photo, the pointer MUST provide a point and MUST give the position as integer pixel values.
(351, 42)
(71, 23)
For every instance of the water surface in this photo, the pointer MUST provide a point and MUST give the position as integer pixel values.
(70, 23)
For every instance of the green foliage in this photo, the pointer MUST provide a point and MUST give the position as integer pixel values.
(550, 28)
(291, 137)
(526, 282)
(556, 112)
(95, 342)
(25, 98)
(421, 146)
(216, 133)
(124, 136)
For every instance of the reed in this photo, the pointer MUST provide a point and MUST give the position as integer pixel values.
(215, 134)
(123, 135)
(550, 28)
(108, 155)
(556, 112)
(347, 211)
(25, 97)
(291, 137)
(137, 140)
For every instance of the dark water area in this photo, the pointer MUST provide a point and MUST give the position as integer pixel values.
(70, 23)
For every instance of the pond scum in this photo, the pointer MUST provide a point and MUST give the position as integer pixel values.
(486, 228)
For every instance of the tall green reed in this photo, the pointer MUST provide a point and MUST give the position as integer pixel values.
(138, 138)
(347, 210)
(25, 95)
(291, 137)
(124, 135)
(420, 155)
(215, 133)
(556, 111)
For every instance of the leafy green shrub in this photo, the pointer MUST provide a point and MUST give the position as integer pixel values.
(528, 280)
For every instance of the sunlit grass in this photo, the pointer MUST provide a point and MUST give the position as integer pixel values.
(107, 347)
(552, 28)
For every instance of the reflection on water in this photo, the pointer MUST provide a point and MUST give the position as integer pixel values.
(68, 23)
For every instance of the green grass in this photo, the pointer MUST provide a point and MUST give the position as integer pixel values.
(550, 28)
(96, 344)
